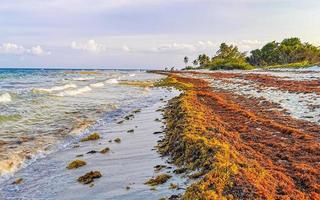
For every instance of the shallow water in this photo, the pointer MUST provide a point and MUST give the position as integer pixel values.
(42, 111)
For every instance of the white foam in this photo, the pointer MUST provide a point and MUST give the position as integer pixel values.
(83, 78)
(132, 75)
(74, 92)
(56, 88)
(97, 85)
(5, 98)
(112, 81)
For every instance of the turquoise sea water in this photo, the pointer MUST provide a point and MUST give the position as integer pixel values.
(42, 111)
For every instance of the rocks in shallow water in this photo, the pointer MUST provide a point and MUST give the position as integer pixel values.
(160, 179)
(157, 132)
(17, 181)
(93, 136)
(117, 140)
(89, 177)
(76, 164)
(157, 120)
(92, 152)
(105, 150)
(80, 155)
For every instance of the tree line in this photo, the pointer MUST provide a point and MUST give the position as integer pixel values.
(289, 52)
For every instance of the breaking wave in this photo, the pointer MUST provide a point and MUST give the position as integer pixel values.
(97, 85)
(5, 98)
(74, 92)
(112, 81)
(55, 88)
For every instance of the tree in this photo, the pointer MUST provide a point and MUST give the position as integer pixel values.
(195, 62)
(203, 60)
(186, 60)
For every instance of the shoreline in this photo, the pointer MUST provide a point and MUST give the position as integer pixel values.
(238, 151)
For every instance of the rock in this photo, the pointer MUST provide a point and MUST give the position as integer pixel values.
(80, 155)
(157, 132)
(76, 164)
(89, 177)
(120, 122)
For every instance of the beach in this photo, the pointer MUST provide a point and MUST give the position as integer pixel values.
(187, 135)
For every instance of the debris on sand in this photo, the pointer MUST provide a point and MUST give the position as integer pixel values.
(158, 168)
(92, 152)
(173, 186)
(120, 122)
(17, 181)
(117, 140)
(130, 131)
(89, 177)
(180, 170)
(158, 180)
(137, 111)
(105, 150)
(76, 164)
(93, 136)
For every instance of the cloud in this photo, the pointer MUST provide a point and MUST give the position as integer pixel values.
(184, 47)
(126, 48)
(248, 45)
(90, 46)
(12, 48)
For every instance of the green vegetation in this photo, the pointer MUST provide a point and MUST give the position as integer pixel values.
(290, 53)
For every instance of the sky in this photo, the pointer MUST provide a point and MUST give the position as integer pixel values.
(144, 33)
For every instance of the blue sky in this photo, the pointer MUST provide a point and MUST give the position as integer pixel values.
(144, 33)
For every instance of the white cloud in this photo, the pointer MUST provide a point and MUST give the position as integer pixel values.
(12, 48)
(126, 48)
(184, 47)
(248, 45)
(90, 46)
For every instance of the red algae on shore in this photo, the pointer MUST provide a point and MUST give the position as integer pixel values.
(241, 149)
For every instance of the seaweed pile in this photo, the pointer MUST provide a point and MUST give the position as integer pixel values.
(238, 147)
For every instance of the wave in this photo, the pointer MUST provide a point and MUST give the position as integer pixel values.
(5, 98)
(55, 88)
(112, 81)
(132, 75)
(74, 92)
(83, 78)
(97, 85)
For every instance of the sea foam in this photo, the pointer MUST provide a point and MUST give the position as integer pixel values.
(74, 92)
(55, 88)
(5, 98)
(97, 85)
(111, 81)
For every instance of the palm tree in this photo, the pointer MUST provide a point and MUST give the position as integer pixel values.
(186, 60)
